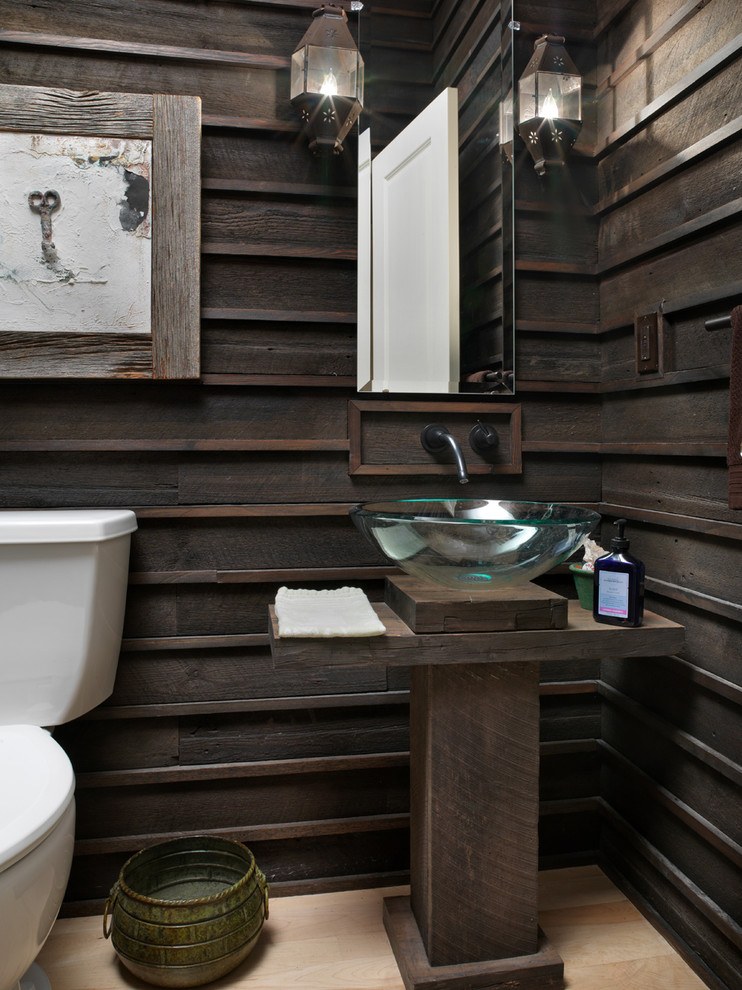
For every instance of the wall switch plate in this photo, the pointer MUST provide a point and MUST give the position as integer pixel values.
(648, 338)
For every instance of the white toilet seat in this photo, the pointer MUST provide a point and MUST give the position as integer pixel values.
(37, 784)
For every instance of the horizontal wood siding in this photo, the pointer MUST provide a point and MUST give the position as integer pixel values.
(240, 481)
(669, 237)
(241, 484)
(239, 487)
(550, 370)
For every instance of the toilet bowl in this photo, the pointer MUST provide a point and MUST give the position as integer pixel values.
(37, 823)
(63, 577)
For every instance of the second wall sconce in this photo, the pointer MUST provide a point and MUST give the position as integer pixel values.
(549, 103)
(327, 79)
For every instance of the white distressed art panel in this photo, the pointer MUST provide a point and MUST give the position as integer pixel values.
(75, 234)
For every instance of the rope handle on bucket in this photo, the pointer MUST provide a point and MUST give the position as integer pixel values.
(263, 884)
(108, 911)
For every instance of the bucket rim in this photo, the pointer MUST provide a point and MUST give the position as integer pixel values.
(252, 871)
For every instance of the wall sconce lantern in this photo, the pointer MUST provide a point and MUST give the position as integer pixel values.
(549, 103)
(327, 79)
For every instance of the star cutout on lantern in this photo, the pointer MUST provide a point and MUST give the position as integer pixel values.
(328, 115)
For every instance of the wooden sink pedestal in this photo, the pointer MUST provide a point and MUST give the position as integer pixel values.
(471, 920)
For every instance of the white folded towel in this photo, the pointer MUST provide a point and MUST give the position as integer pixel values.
(306, 613)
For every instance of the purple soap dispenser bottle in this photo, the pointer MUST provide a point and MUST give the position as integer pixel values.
(619, 584)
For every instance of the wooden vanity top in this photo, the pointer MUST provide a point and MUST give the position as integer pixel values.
(582, 639)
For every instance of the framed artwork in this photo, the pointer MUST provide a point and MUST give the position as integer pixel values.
(99, 234)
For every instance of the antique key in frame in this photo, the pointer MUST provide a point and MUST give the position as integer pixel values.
(45, 204)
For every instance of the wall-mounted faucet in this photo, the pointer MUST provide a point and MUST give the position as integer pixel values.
(435, 438)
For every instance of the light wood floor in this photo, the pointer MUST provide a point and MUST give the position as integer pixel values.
(337, 942)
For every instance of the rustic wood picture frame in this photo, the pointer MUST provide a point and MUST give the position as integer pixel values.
(173, 125)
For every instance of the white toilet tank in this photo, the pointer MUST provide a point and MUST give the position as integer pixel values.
(63, 578)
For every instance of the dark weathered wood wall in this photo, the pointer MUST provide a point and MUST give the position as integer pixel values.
(668, 156)
(557, 371)
(241, 480)
(656, 171)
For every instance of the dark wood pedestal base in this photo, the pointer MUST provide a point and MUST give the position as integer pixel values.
(471, 921)
(542, 969)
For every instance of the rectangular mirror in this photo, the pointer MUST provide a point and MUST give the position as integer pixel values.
(435, 243)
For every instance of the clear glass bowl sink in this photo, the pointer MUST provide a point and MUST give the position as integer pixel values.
(474, 544)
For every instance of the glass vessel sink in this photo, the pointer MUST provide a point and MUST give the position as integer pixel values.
(474, 544)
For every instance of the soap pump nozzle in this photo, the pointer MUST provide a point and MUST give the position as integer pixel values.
(620, 542)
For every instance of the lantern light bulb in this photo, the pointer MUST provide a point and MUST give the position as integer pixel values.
(329, 85)
(550, 108)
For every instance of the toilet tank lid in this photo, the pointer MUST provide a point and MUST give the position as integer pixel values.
(37, 783)
(65, 525)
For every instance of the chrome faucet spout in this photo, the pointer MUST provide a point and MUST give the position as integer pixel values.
(435, 438)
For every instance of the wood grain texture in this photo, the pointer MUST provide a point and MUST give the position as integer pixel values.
(627, 292)
(134, 411)
(542, 969)
(143, 49)
(474, 849)
(669, 822)
(605, 941)
(221, 28)
(374, 452)
(76, 355)
(677, 133)
(225, 91)
(426, 608)
(53, 111)
(582, 638)
(176, 238)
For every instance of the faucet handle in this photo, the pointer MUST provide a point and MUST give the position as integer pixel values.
(484, 439)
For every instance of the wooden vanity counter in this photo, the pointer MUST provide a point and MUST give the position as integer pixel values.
(470, 922)
(582, 638)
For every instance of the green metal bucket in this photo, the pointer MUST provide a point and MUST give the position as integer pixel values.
(187, 911)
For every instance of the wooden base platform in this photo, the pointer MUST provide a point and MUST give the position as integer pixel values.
(426, 608)
(542, 969)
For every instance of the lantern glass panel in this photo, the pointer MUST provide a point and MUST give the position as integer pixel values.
(558, 95)
(327, 72)
(506, 119)
(527, 98)
(297, 72)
